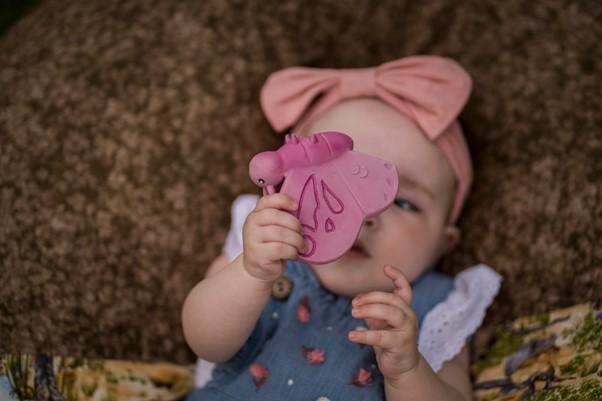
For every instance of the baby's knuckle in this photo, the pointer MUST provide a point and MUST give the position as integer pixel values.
(287, 234)
(273, 215)
(295, 237)
(282, 249)
(274, 231)
(292, 253)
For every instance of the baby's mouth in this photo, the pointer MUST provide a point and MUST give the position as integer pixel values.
(357, 251)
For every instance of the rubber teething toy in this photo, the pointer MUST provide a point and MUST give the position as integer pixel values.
(335, 187)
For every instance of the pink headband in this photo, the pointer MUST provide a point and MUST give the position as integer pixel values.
(430, 90)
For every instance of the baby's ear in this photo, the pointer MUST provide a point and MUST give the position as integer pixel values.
(450, 236)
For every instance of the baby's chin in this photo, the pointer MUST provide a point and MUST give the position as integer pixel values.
(350, 278)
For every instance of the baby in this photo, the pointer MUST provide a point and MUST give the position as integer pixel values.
(378, 323)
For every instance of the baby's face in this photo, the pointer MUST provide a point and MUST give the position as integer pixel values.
(412, 233)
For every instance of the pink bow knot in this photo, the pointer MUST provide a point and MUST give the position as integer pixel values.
(357, 82)
(430, 90)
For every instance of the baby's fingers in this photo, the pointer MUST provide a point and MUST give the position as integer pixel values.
(267, 217)
(402, 285)
(379, 297)
(276, 201)
(280, 250)
(281, 234)
(377, 338)
(390, 314)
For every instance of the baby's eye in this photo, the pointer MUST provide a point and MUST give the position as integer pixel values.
(405, 204)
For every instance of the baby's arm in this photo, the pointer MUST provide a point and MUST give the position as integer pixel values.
(393, 332)
(451, 383)
(221, 311)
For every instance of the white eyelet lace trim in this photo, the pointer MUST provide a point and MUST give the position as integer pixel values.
(448, 325)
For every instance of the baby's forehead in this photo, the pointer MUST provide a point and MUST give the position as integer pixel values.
(368, 120)
(381, 131)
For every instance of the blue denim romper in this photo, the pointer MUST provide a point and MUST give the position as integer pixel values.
(279, 340)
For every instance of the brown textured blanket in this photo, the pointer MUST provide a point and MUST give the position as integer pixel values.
(126, 129)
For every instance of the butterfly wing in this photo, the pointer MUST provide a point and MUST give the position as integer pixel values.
(330, 216)
(372, 181)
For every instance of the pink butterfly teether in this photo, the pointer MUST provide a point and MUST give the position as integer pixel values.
(336, 188)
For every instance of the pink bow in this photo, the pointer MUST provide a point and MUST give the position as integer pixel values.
(430, 90)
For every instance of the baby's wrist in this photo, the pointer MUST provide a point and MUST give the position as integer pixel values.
(398, 382)
(263, 284)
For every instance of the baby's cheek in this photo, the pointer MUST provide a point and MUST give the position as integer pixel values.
(408, 250)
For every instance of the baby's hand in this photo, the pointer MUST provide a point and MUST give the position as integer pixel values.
(393, 327)
(271, 235)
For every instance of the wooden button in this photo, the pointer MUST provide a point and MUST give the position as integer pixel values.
(282, 288)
